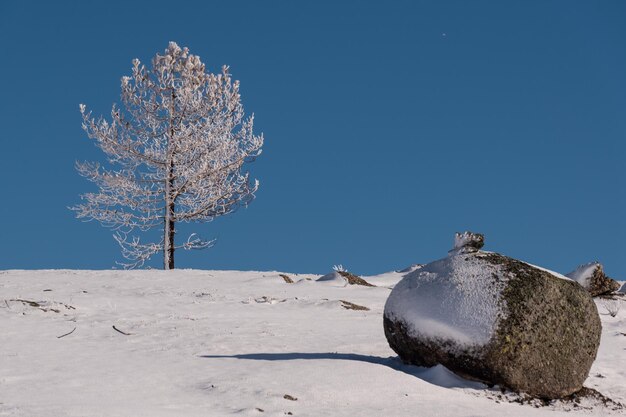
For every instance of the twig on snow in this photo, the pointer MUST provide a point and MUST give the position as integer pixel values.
(66, 334)
(119, 331)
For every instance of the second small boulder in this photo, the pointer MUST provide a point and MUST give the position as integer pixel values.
(592, 277)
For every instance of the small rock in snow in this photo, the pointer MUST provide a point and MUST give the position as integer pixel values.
(591, 276)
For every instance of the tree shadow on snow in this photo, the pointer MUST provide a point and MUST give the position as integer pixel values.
(437, 375)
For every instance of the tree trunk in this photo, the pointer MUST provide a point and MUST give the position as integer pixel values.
(170, 223)
(168, 244)
(170, 231)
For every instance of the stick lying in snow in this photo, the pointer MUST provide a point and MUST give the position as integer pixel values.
(287, 278)
(66, 334)
(351, 306)
(119, 331)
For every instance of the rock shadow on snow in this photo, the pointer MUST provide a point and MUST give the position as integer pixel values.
(437, 375)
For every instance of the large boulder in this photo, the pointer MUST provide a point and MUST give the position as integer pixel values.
(495, 319)
(592, 277)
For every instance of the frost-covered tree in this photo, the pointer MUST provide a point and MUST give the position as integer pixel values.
(175, 150)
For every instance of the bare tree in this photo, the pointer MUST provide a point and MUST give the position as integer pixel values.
(177, 145)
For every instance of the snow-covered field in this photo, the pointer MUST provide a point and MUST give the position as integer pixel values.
(218, 343)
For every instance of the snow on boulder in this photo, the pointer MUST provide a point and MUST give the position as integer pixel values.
(342, 277)
(591, 276)
(334, 278)
(495, 319)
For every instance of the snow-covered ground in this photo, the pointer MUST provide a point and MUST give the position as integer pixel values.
(218, 343)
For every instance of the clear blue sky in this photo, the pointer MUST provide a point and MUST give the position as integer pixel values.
(388, 125)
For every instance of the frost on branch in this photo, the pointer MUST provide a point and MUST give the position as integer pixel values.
(467, 242)
(175, 150)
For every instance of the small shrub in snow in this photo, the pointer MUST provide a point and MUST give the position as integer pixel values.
(612, 307)
(339, 268)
